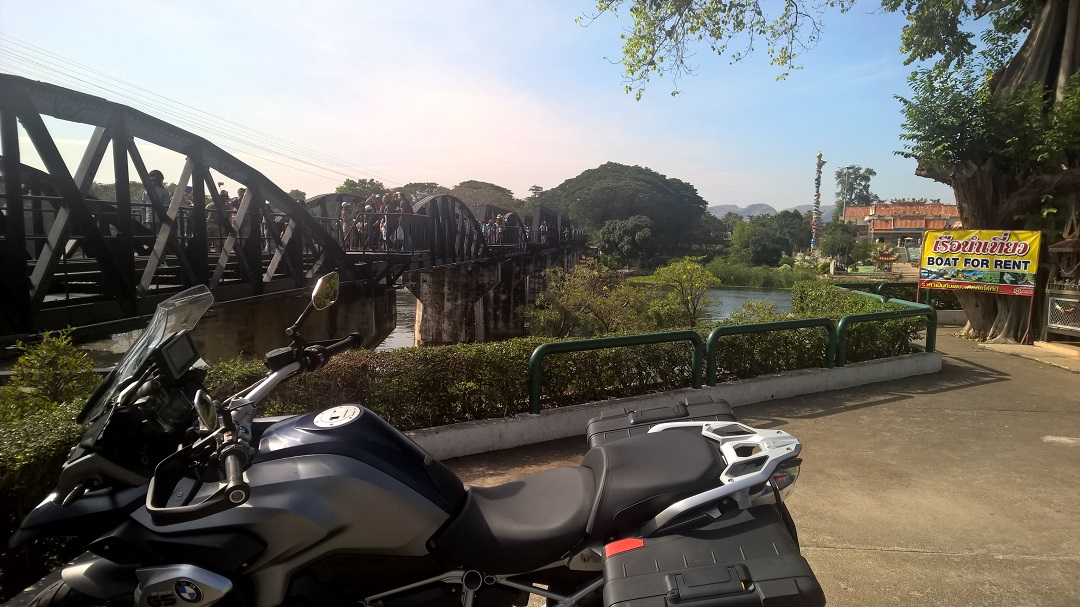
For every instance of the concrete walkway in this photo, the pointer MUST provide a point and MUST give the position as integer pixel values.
(960, 488)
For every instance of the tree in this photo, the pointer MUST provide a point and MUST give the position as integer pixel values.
(853, 189)
(477, 193)
(838, 240)
(298, 195)
(687, 283)
(417, 191)
(756, 241)
(615, 191)
(793, 227)
(710, 232)
(361, 187)
(663, 32)
(999, 125)
(107, 191)
(629, 240)
(588, 300)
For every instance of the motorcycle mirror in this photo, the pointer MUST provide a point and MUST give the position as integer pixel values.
(206, 411)
(325, 293)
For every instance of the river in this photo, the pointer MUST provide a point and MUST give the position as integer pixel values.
(724, 302)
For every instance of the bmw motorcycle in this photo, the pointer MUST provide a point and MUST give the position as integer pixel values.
(181, 499)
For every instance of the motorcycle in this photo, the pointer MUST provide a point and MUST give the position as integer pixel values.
(181, 499)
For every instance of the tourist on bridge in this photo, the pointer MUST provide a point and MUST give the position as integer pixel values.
(406, 209)
(348, 226)
(367, 227)
(244, 228)
(157, 185)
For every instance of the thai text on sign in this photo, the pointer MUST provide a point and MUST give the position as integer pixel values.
(989, 261)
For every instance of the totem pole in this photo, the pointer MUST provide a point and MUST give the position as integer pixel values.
(817, 204)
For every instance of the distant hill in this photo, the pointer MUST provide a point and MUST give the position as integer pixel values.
(826, 211)
(761, 209)
(754, 209)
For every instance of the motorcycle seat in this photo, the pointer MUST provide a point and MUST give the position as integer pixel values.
(533, 521)
(520, 525)
(639, 476)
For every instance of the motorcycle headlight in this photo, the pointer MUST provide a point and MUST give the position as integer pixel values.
(785, 476)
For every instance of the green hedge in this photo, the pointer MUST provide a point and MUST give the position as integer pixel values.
(422, 387)
(865, 341)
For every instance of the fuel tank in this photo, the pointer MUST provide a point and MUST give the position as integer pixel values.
(357, 433)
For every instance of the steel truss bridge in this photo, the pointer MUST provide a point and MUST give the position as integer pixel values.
(68, 258)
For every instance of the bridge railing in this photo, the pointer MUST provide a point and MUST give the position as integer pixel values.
(835, 342)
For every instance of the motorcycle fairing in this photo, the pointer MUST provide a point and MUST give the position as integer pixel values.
(311, 506)
(96, 512)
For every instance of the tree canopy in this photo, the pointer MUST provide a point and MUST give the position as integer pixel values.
(628, 240)
(853, 189)
(419, 190)
(361, 187)
(615, 191)
(477, 193)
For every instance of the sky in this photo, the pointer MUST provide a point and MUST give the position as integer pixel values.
(510, 92)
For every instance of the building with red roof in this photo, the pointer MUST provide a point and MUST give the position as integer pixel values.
(902, 218)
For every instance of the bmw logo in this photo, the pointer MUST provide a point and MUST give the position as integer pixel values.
(188, 591)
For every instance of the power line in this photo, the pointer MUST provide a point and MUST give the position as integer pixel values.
(125, 84)
(51, 66)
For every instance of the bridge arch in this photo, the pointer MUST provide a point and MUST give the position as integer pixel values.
(451, 232)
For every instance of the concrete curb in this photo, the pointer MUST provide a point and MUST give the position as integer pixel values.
(482, 436)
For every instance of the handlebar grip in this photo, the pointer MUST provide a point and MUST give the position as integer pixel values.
(352, 340)
(237, 491)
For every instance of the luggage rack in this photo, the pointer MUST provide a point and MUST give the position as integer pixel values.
(751, 457)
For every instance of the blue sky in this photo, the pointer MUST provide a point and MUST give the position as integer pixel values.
(509, 92)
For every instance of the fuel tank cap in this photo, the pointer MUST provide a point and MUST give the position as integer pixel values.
(337, 416)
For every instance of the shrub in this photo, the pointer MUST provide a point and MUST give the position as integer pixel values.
(735, 274)
(754, 354)
(867, 340)
(47, 373)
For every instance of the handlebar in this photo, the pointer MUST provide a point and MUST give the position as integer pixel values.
(315, 356)
(233, 455)
(352, 340)
(233, 458)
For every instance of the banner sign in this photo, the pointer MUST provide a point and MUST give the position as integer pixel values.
(990, 261)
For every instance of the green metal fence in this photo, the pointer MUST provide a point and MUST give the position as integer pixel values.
(712, 342)
(914, 309)
(835, 342)
(580, 345)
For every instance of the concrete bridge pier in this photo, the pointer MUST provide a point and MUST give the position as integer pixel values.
(498, 314)
(446, 298)
(475, 302)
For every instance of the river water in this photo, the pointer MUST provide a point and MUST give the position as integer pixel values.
(724, 302)
(106, 352)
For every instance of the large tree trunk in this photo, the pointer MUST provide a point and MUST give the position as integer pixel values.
(981, 191)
